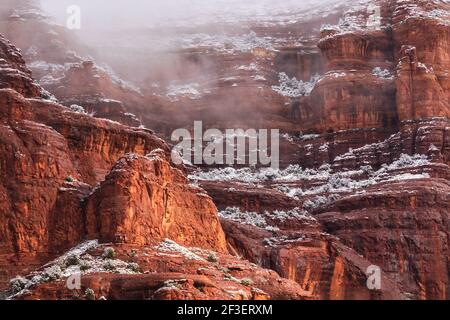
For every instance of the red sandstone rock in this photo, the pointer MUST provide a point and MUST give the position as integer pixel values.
(13, 72)
(166, 273)
(144, 200)
(51, 157)
(401, 227)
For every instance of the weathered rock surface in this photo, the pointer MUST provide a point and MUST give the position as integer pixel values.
(166, 271)
(401, 227)
(14, 73)
(144, 200)
(51, 158)
(381, 96)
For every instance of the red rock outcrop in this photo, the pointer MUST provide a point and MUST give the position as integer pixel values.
(14, 73)
(144, 200)
(276, 234)
(382, 96)
(171, 272)
(45, 149)
(422, 38)
(401, 227)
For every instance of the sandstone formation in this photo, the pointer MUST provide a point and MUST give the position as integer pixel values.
(168, 271)
(364, 177)
(144, 200)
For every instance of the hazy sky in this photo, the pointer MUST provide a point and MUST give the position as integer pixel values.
(133, 13)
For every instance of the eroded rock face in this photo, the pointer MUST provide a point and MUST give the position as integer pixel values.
(282, 237)
(401, 227)
(14, 73)
(52, 157)
(144, 200)
(381, 96)
(379, 76)
(38, 158)
(422, 36)
(46, 153)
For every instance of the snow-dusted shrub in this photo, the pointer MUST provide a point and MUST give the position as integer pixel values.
(84, 266)
(109, 253)
(89, 294)
(319, 201)
(52, 273)
(18, 284)
(246, 282)
(294, 88)
(407, 161)
(367, 170)
(72, 260)
(338, 182)
(291, 173)
(133, 267)
(78, 109)
(212, 258)
(109, 266)
(190, 90)
(295, 213)
(175, 284)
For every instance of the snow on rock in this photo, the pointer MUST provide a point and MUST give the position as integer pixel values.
(171, 248)
(347, 181)
(247, 175)
(225, 43)
(190, 90)
(382, 73)
(251, 67)
(357, 19)
(78, 109)
(262, 220)
(250, 218)
(74, 261)
(420, 10)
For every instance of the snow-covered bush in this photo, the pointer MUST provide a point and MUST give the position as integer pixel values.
(319, 201)
(133, 267)
(18, 284)
(291, 173)
(89, 294)
(212, 257)
(109, 253)
(72, 260)
(78, 109)
(294, 88)
(52, 273)
(190, 90)
(246, 282)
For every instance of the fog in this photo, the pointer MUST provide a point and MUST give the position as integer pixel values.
(107, 14)
(130, 33)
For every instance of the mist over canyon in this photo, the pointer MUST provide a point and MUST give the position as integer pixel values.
(360, 93)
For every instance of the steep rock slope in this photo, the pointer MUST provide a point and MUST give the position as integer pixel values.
(372, 128)
(51, 160)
